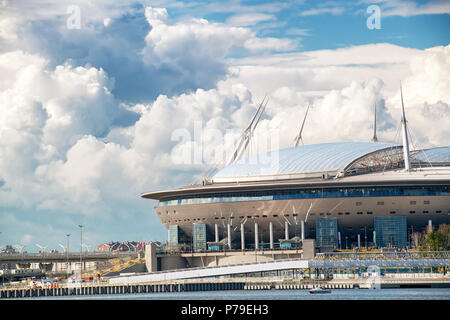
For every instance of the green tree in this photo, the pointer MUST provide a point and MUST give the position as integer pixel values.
(435, 241)
(445, 230)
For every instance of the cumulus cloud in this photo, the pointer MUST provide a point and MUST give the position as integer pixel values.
(174, 48)
(249, 19)
(83, 162)
(426, 93)
(409, 8)
(318, 11)
(348, 82)
(44, 112)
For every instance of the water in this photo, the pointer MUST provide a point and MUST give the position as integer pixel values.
(342, 294)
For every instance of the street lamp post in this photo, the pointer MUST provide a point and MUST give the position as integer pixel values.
(81, 248)
(67, 252)
(365, 236)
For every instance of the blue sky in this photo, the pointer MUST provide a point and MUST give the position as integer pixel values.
(344, 23)
(88, 113)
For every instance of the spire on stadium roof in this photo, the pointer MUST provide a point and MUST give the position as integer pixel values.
(248, 133)
(299, 135)
(405, 135)
(375, 139)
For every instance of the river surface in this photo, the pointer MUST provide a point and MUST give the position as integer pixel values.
(338, 294)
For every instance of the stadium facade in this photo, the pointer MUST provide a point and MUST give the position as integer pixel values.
(339, 193)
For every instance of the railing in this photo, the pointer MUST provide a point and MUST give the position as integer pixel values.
(174, 251)
(383, 255)
(226, 266)
(63, 256)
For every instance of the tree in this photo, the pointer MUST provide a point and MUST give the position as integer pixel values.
(445, 230)
(418, 239)
(435, 241)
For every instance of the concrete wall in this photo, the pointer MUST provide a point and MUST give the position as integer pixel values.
(154, 262)
(309, 249)
(173, 262)
(151, 262)
(211, 259)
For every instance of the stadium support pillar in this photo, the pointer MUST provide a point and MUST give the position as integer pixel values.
(216, 232)
(271, 234)
(242, 237)
(256, 236)
(229, 235)
(359, 241)
(151, 262)
(286, 230)
(430, 226)
(302, 226)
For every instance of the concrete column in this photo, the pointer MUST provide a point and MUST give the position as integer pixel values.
(256, 236)
(430, 226)
(271, 234)
(359, 241)
(286, 230)
(216, 232)
(229, 236)
(242, 237)
(302, 226)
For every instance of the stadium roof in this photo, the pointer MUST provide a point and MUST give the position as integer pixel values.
(434, 155)
(303, 159)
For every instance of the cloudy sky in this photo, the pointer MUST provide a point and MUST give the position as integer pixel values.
(103, 100)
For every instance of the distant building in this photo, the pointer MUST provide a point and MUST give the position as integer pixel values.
(116, 246)
(8, 249)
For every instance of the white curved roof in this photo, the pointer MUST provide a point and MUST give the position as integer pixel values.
(434, 155)
(302, 159)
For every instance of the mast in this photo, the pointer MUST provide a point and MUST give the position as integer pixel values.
(405, 135)
(299, 135)
(248, 133)
(375, 139)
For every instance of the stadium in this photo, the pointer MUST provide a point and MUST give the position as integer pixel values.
(340, 194)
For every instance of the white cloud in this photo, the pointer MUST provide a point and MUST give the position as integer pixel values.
(410, 8)
(315, 73)
(426, 94)
(249, 19)
(8, 28)
(26, 239)
(56, 156)
(43, 114)
(347, 82)
(318, 11)
(177, 45)
(156, 16)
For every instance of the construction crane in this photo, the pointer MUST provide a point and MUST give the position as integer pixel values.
(248, 133)
(299, 135)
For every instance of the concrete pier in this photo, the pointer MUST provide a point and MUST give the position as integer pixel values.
(259, 284)
(117, 289)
